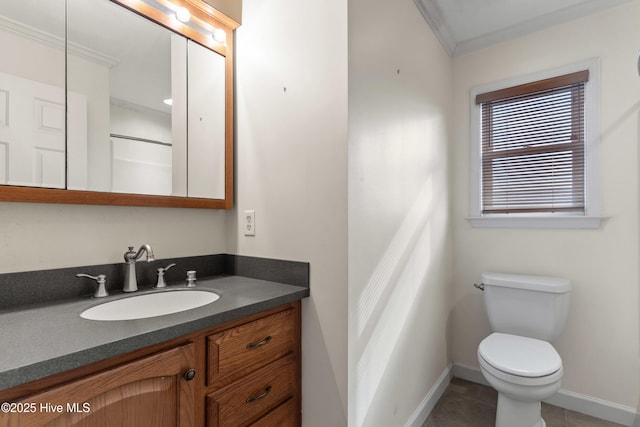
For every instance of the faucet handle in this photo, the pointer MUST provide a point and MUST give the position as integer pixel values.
(161, 283)
(191, 278)
(129, 254)
(173, 264)
(101, 279)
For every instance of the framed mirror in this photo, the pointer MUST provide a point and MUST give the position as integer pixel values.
(149, 104)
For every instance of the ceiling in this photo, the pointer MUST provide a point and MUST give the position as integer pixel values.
(466, 25)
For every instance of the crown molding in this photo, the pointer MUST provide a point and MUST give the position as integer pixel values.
(57, 42)
(433, 16)
(431, 13)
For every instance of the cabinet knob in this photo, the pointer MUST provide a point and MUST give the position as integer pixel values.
(190, 374)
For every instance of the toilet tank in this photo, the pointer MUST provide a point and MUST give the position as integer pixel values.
(526, 305)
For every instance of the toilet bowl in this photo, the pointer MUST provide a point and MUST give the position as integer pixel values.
(524, 371)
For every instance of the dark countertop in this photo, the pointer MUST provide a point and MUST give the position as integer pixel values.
(43, 340)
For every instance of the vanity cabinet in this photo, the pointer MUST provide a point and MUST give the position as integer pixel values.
(241, 373)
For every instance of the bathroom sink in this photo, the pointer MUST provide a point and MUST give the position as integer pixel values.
(150, 305)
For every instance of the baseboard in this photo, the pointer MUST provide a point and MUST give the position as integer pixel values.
(420, 415)
(595, 407)
(588, 405)
(469, 373)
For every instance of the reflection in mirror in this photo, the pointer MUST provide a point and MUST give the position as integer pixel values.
(32, 82)
(206, 123)
(125, 140)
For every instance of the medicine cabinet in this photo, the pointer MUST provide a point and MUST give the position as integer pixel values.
(116, 102)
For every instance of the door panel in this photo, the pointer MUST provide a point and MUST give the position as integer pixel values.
(32, 124)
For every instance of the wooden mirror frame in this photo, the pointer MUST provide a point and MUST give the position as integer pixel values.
(206, 16)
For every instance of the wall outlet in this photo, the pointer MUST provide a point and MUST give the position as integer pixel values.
(250, 223)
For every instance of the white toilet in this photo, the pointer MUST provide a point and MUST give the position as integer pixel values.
(526, 314)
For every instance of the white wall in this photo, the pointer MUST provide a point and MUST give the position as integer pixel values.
(600, 346)
(399, 232)
(138, 121)
(91, 79)
(291, 167)
(28, 56)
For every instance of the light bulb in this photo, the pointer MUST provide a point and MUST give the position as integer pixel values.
(182, 14)
(219, 35)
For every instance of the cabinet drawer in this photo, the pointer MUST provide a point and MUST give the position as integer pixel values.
(236, 352)
(247, 400)
(283, 416)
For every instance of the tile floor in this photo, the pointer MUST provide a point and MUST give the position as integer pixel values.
(467, 404)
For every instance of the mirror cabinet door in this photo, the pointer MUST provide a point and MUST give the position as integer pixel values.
(119, 85)
(206, 122)
(32, 97)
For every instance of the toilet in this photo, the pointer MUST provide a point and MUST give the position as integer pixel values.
(526, 313)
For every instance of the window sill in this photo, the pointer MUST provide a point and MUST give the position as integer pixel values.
(513, 221)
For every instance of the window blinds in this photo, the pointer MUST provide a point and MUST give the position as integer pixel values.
(533, 147)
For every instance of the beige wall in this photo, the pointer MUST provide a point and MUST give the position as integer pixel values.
(291, 166)
(41, 236)
(231, 8)
(399, 228)
(600, 345)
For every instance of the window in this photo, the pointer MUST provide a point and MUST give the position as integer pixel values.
(533, 146)
(531, 143)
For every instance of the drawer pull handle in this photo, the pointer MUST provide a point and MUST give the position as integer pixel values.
(253, 345)
(260, 396)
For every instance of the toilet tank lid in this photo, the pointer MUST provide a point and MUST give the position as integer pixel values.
(529, 282)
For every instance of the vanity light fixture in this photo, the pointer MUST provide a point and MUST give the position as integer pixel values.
(182, 14)
(180, 17)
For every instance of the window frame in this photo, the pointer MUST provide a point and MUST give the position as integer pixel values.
(591, 217)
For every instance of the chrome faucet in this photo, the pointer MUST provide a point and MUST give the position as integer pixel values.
(130, 257)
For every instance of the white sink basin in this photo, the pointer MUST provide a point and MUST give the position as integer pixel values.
(150, 305)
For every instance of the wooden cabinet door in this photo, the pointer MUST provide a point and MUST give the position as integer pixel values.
(149, 392)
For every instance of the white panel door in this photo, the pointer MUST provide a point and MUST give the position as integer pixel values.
(32, 133)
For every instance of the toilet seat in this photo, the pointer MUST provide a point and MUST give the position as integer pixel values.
(520, 357)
